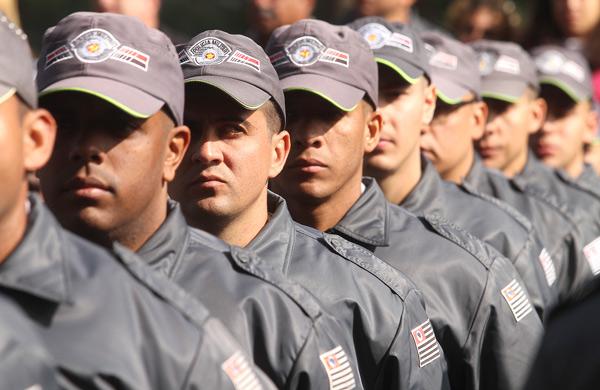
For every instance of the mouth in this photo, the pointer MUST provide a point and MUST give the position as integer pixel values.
(88, 187)
(205, 181)
(488, 151)
(545, 150)
(308, 165)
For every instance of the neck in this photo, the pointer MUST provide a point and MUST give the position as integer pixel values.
(575, 167)
(399, 14)
(240, 229)
(13, 224)
(398, 184)
(517, 165)
(458, 173)
(324, 213)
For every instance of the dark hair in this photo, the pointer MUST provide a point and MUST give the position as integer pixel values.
(273, 115)
(509, 24)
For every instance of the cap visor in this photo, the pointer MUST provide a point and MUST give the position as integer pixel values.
(343, 96)
(574, 95)
(134, 102)
(406, 70)
(506, 90)
(6, 92)
(247, 95)
(449, 92)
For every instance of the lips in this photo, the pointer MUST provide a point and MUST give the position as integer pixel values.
(488, 151)
(545, 150)
(88, 187)
(308, 165)
(206, 180)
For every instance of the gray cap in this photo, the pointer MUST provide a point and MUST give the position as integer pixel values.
(235, 64)
(333, 62)
(454, 68)
(565, 69)
(16, 74)
(395, 45)
(116, 58)
(506, 70)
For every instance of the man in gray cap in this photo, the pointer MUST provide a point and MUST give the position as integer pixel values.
(407, 101)
(119, 102)
(572, 121)
(235, 109)
(510, 88)
(330, 79)
(106, 320)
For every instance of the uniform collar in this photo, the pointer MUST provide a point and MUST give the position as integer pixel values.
(38, 266)
(166, 246)
(367, 221)
(275, 241)
(427, 192)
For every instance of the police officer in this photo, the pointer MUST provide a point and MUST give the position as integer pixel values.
(24, 362)
(235, 109)
(571, 123)
(510, 88)
(119, 105)
(407, 104)
(331, 110)
(105, 319)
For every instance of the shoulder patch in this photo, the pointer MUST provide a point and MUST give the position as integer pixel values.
(592, 255)
(427, 345)
(366, 260)
(338, 369)
(517, 300)
(462, 238)
(239, 372)
(548, 266)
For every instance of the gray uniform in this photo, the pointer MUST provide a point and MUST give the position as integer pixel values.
(589, 181)
(292, 340)
(377, 305)
(557, 228)
(493, 222)
(109, 322)
(24, 363)
(477, 303)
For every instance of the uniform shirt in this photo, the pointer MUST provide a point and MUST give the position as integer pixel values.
(291, 339)
(24, 362)
(477, 303)
(556, 226)
(377, 304)
(569, 357)
(495, 223)
(109, 322)
(589, 180)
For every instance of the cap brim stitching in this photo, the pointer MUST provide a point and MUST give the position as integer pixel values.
(322, 95)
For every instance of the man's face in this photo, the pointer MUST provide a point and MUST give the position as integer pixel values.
(267, 15)
(107, 167)
(12, 170)
(403, 108)
(506, 133)
(449, 137)
(230, 160)
(577, 17)
(327, 147)
(382, 7)
(568, 127)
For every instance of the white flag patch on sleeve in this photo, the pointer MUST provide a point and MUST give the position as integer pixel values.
(517, 300)
(548, 267)
(338, 369)
(592, 255)
(240, 373)
(426, 343)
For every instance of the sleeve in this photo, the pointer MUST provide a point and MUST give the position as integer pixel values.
(415, 359)
(327, 359)
(220, 363)
(505, 334)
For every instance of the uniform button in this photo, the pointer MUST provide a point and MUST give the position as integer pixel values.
(243, 257)
(336, 242)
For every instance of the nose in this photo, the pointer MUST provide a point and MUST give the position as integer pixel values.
(208, 152)
(307, 134)
(85, 148)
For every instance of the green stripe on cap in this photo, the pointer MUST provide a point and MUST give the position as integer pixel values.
(110, 100)
(320, 94)
(499, 96)
(395, 67)
(7, 95)
(447, 99)
(246, 106)
(563, 87)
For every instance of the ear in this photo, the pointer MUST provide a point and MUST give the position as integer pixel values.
(177, 143)
(39, 134)
(591, 126)
(429, 104)
(280, 145)
(373, 130)
(479, 119)
(538, 108)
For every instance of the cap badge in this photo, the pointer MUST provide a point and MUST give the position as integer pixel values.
(305, 51)
(486, 62)
(94, 45)
(375, 34)
(209, 51)
(553, 62)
